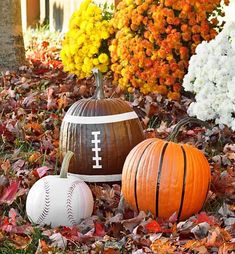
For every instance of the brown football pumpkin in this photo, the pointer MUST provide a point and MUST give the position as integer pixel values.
(100, 132)
(165, 177)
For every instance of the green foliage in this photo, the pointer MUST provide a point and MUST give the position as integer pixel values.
(107, 10)
(8, 248)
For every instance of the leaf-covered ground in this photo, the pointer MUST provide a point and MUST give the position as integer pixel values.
(33, 102)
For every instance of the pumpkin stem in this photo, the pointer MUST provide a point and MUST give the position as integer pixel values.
(99, 92)
(173, 136)
(65, 164)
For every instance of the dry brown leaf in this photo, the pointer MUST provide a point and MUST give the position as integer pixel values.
(5, 166)
(227, 248)
(163, 246)
(130, 224)
(36, 127)
(217, 237)
(35, 157)
(230, 156)
(201, 230)
(229, 148)
(62, 102)
(191, 244)
(20, 241)
(201, 250)
(2, 236)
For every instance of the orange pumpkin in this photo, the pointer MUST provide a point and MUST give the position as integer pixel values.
(164, 177)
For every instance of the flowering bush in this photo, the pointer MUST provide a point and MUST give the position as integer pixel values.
(155, 39)
(211, 75)
(85, 45)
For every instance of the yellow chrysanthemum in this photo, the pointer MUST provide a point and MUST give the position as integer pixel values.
(81, 48)
(103, 58)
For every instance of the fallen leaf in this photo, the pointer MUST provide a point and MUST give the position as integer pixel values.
(36, 127)
(201, 230)
(115, 219)
(58, 240)
(2, 236)
(203, 217)
(192, 244)
(116, 230)
(18, 165)
(43, 247)
(51, 102)
(10, 193)
(99, 229)
(4, 181)
(5, 166)
(20, 242)
(229, 148)
(34, 157)
(12, 215)
(111, 251)
(62, 102)
(130, 224)
(70, 233)
(227, 248)
(163, 246)
(184, 226)
(230, 156)
(153, 227)
(42, 171)
(217, 237)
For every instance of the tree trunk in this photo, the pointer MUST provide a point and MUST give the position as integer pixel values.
(12, 52)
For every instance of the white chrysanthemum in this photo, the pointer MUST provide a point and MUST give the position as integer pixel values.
(211, 76)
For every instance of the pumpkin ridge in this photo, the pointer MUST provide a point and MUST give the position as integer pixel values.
(69, 206)
(123, 105)
(80, 104)
(87, 108)
(159, 175)
(137, 169)
(46, 207)
(128, 134)
(202, 160)
(184, 183)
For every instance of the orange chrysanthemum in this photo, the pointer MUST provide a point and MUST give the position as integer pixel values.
(154, 41)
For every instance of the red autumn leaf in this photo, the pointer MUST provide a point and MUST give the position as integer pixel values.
(70, 233)
(203, 217)
(42, 171)
(10, 193)
(153, 227)
(10, 224)
(111, 251)
(99, 229)
(40, 71)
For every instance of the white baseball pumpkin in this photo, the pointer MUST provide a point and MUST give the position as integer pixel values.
(59, 200)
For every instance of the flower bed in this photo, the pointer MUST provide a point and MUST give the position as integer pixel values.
(85, 45)
(154, 41)
(211, 76)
